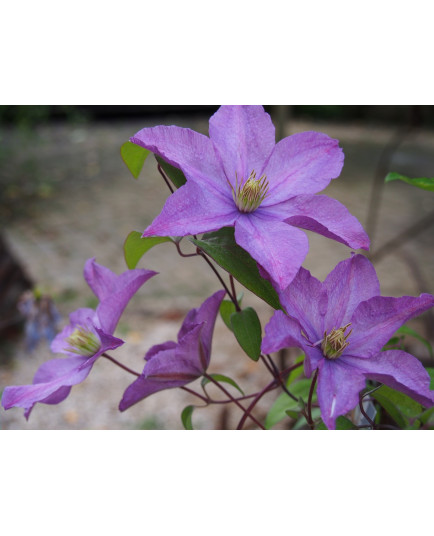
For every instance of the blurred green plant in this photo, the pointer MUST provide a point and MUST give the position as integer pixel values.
(22, 179)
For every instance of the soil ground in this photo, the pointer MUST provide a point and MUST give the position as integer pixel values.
(93, 203)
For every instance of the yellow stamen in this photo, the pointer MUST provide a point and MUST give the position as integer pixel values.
(249, 196)
(335, 342)
(83, 342)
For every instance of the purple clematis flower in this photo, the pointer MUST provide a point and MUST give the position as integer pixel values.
(172, 364)
(88, 336)
(342, 326)
(239, 177)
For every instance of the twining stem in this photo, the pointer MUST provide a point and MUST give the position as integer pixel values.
(270, 370)
(276, 375)
(166, 178)
(185, 254)
(273, 385)
(309, 401)
(113, 360)
(247, 412)
(211, 379)
(362, 409)
(232, 297)
(206, 400)
(234, 292)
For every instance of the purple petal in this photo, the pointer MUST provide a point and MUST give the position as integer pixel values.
(279, 248)
(375, 321)
(303, 163)
(164, 370)
(49, 379)
(99, 278)
(142, 388)
(159, 348)
(190, 151)
(193, 210)
(206, 314)
(170, 365)
(108, 342)
(306, 301)
(84, 317)
(191, 349)
(123, 289)
(327, 217)
(283, 331)
(398, 370)
(338, 390)
(244, 137)
(351, 282)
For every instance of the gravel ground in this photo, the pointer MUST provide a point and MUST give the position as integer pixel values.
(95, 203)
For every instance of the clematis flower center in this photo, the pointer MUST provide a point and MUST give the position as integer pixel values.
(83, 342)
(249, 196)
(335, 342)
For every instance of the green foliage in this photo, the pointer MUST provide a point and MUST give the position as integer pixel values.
(405, 330)
(227, 307)
(296, 373)
(223, 379)
(174, 174)
(422, 182)
(134, 157)
(285, 403)
(247, 330)
(221, 247)
(342, 423)
(135, 246)
(401, 408)
(186, 416)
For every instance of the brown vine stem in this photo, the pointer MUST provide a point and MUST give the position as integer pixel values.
(309, 402)
(165, 177)
(211, 379)
(113, 360)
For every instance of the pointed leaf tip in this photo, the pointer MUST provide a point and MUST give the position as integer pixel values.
(135, 247)
(134, 157)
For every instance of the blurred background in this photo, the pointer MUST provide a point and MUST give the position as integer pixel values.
(66, 195)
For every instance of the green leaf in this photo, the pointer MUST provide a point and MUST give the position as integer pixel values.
(285, 403)
(301, 423)
(134, 157)
(296, 373)
(405, 330)
(422, 182)
(224, 379)
(221, 247)
(135, 246)
(399, 406)
(174, 174)
(430, 371)
(186, 417)
(227, 308)
(247, 330)
(342, 423)
(426, 416)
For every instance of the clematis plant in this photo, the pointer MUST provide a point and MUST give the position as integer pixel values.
(249, 197)
(342, 326)
(87, 337)
(239, 177)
